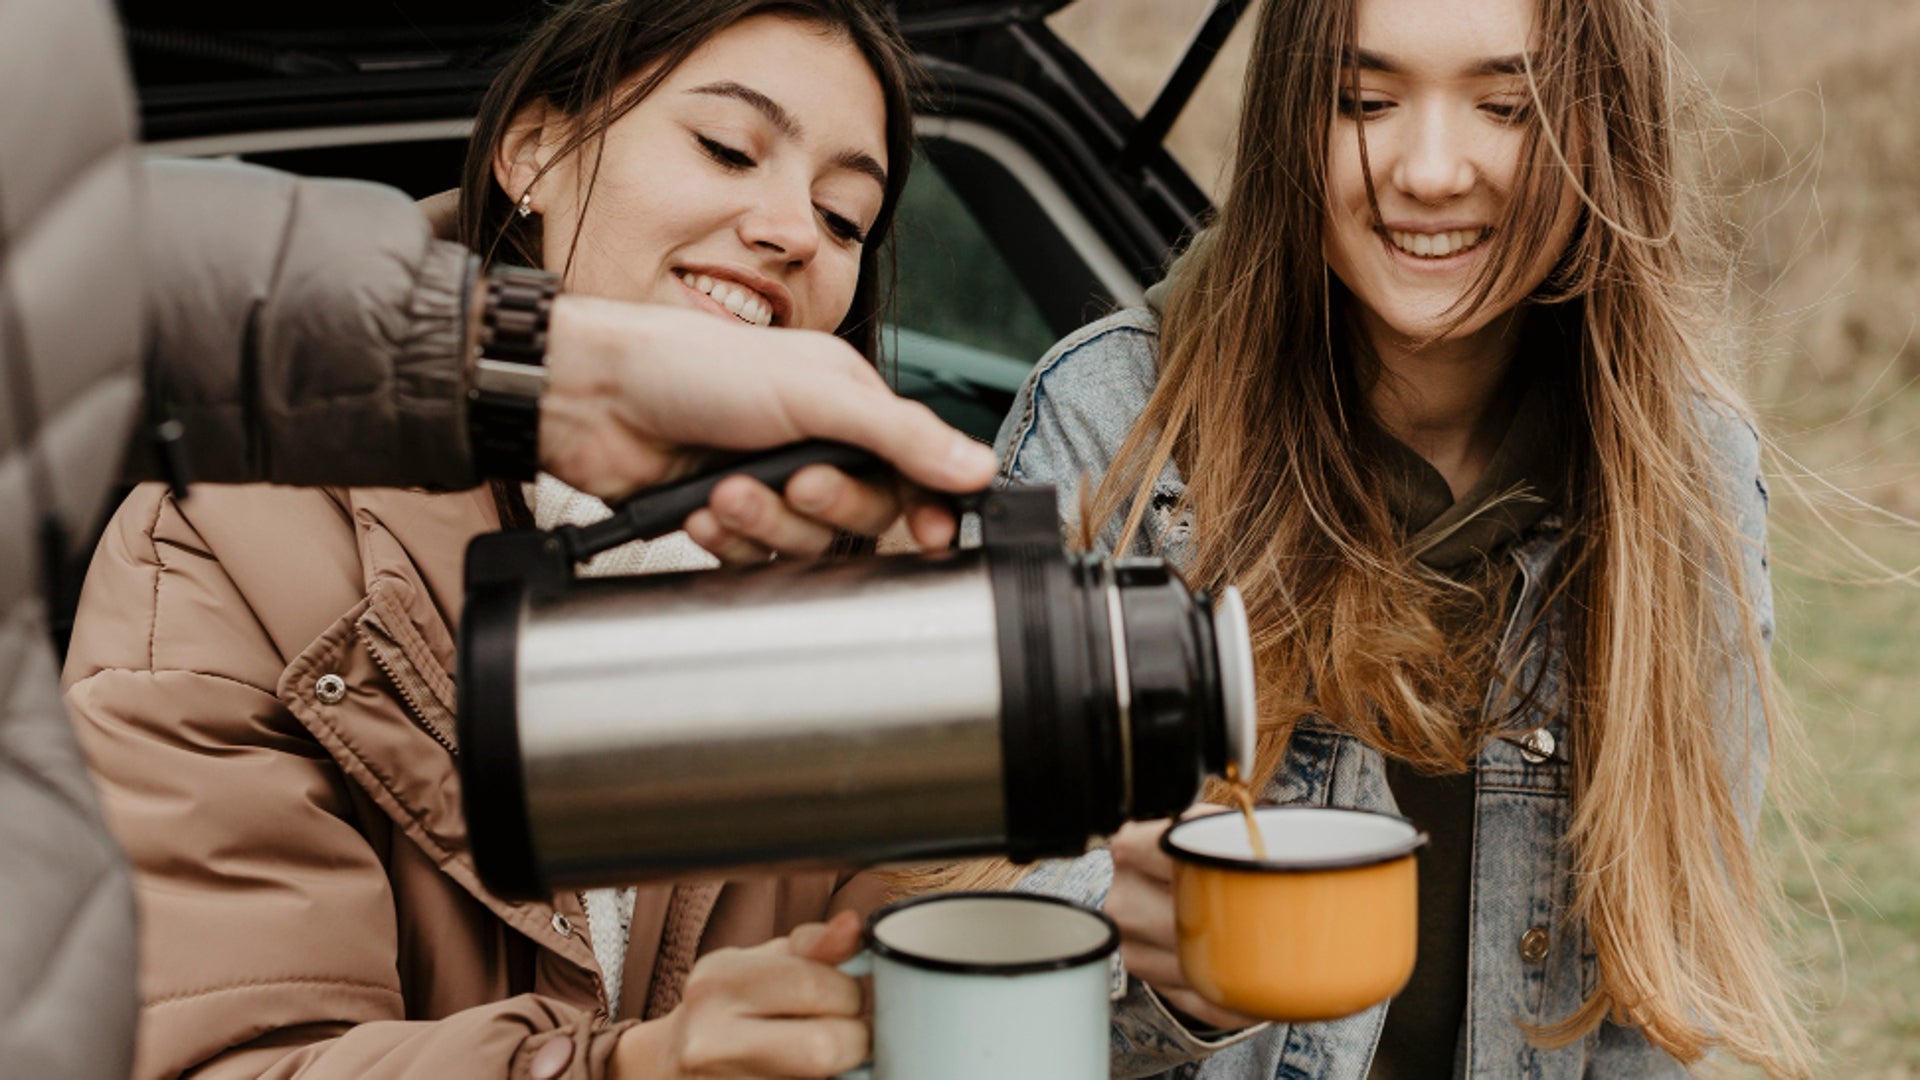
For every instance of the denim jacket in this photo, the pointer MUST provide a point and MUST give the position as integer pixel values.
(1530, 962)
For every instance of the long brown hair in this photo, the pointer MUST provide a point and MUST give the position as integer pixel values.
(583, 59)
(1260, 402)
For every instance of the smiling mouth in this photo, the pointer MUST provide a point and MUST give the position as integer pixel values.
(741, 302)
(1437, 245)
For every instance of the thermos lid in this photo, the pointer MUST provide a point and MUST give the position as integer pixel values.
(1233, 641)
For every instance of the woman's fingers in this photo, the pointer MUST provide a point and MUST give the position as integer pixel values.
(634, 389)
(930, 519)
(827, 495)
(744, 518)
(905, 433)
(777, 1009)
(704, 528)
(831, 942)
(1141, 904)
(1142, 912)
(1196, 1008)
(1160, 969)
(772, 979)
(785, 985)
(814, 1047)
(753, 512)
(1156, 966)
(1136, 851)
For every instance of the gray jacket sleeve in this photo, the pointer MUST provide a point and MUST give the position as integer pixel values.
(1734, 448)
(302, 331)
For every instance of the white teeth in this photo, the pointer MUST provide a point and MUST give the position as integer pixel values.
(741, 302)
(1437, 245)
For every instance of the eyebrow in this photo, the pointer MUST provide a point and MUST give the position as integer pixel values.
(784, 122)
(1386, 65)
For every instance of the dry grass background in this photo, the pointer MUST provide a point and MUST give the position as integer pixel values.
(1820, 166)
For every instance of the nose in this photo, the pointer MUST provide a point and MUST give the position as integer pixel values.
(782, 225)
(1432, 162)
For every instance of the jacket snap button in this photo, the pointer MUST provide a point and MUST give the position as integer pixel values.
(562, 925)
(1533, 945)
(1538, 746)
(330, 689)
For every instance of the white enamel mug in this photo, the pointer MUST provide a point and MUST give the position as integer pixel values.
(987, 984)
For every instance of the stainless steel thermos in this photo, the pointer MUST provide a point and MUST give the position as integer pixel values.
(1006, 699)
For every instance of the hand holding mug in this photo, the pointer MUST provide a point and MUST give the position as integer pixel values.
(780, 1009)
(1141, 903)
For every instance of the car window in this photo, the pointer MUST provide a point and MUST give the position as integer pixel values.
(953, 283)
(965, 330)
(995, 263)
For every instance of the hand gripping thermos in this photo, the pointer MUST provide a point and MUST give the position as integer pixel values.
(1007, 699)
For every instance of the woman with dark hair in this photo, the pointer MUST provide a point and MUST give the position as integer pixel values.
(261, 676)
(1444, 392)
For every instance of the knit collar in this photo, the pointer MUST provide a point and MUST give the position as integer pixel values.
(554, 503)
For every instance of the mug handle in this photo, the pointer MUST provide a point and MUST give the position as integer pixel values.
(860, 966)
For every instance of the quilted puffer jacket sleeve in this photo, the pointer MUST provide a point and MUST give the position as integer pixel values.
(303, 331)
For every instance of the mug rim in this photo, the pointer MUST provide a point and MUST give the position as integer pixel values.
(973, 967)
(1250, 864)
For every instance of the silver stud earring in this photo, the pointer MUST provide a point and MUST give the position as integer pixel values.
(526, 204)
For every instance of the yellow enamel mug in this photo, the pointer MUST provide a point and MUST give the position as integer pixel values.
(1323, 927)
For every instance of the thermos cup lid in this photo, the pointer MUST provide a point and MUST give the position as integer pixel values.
(1233, 641)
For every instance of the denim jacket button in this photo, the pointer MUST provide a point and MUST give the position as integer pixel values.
(1534, 944)
(1538, 746)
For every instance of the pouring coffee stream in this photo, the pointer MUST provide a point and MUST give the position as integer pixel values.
(1009, 699)
(1242, 789)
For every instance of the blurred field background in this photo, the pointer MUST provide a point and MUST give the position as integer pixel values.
(1820, 166)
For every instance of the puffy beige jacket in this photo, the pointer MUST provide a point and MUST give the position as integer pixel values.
(308, 903)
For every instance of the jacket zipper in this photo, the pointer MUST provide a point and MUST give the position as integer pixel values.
(381, 646)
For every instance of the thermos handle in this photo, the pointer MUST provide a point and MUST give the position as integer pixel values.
(659, 511)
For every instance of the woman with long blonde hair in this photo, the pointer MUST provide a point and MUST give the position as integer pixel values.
(1443, 392)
